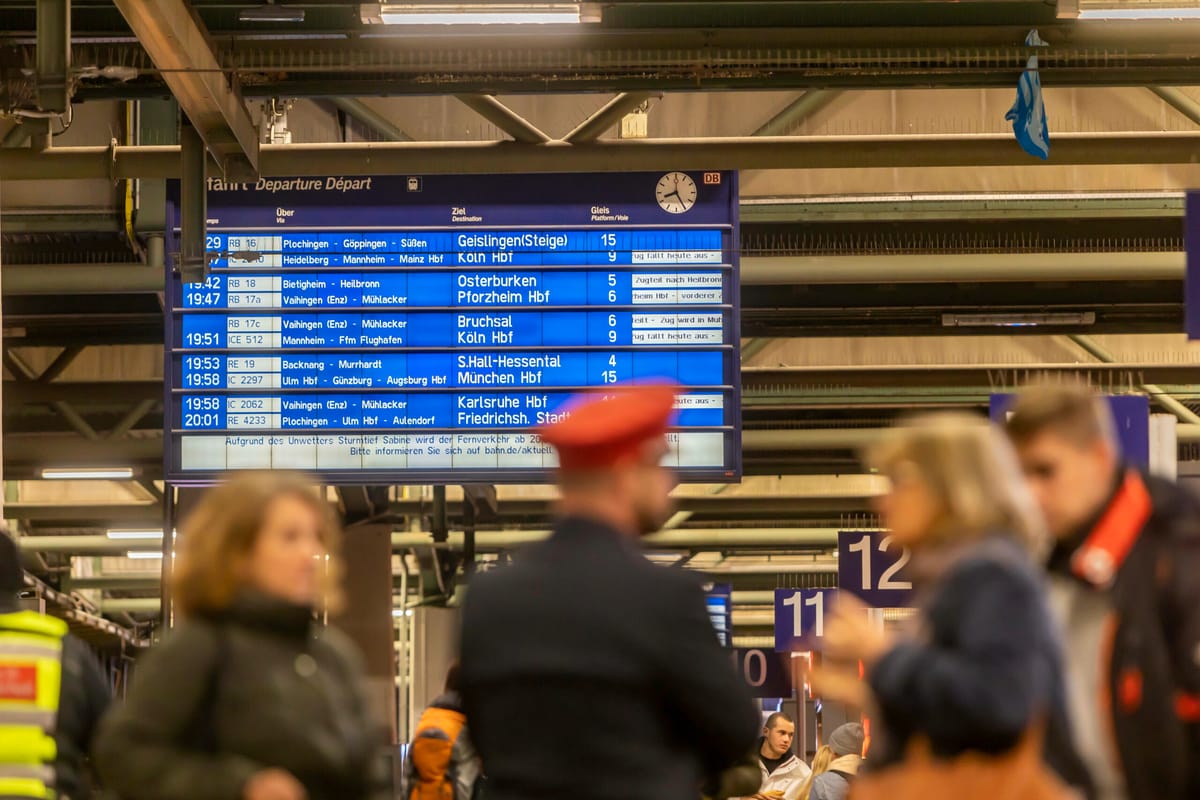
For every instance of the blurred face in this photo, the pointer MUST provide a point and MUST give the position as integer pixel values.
(650, 489)
(1070, 482)
(910, 510)
(288, 554)
(779, 738)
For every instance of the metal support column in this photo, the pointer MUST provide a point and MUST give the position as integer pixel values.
(193, 206)
(53, 54)
(168, 552)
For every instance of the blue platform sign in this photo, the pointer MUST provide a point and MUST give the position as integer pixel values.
(871, 566)
(718, 599)
(1191, 243)
(765, 672)
(419, 329)
(1131, 414)
(800, 618)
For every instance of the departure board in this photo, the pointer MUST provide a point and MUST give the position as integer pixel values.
(420, 328)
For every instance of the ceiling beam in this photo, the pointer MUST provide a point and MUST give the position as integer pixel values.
(80, 393)
(1179, 100)
(607, 116)
(71, 512)
(371, 119)
(50, 450)
(628, 155)
(178, 44)
(504, 118)
(800, 109)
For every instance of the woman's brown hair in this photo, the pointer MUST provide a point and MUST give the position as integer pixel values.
(219, 534)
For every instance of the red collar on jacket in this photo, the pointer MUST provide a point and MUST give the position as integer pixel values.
(1109, 543)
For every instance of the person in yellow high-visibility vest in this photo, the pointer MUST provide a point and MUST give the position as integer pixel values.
(52, 695)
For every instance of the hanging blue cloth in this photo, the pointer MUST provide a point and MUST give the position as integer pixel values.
(1028, 114)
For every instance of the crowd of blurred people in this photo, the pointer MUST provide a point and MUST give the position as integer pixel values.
(1055, 651)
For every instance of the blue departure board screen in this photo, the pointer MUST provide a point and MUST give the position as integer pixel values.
(419, 329)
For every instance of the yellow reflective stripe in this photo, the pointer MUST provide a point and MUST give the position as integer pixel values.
(35, 623)
(24, 788)
(26, 745)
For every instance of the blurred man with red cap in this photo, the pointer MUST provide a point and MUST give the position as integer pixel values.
(587, 672)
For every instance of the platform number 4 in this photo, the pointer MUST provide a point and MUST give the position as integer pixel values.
(871, 566)
(800, 618)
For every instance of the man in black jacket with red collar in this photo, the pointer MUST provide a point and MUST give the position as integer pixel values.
(1125, 584)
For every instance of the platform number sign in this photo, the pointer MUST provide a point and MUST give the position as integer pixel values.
(765, 673)
(800, 618)
(871, 566)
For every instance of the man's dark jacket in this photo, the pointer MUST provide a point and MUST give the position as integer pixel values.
(84, 698)
(1153, 686)
(588, 673)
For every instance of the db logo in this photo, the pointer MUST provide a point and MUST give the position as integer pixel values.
(712, 179)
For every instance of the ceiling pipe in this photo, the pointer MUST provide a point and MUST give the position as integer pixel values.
(128, 582)
(682, 539)
(625, 155)
(130, 605)
(55, 279)
(87, 545)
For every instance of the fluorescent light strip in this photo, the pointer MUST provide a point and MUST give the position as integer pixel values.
(1148, 12)
(143, 555)
(134, 534)
(85, 473)
(474, 14)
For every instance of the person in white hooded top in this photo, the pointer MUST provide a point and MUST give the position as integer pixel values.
(783, 773)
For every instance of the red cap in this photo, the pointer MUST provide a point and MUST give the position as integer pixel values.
(602, 430)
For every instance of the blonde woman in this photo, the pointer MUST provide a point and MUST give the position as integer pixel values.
(249, 699)
(820, 764)
(983, 667)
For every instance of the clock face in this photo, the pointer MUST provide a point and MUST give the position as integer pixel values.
(676, 192)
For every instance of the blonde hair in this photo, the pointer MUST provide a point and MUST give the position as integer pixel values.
(970, 468)
(219, 534)
(820, 764)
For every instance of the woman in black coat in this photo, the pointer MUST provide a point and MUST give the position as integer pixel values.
(250, 699)
(981, 666)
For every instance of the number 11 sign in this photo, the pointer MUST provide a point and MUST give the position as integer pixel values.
(871, 567)
(800, 618)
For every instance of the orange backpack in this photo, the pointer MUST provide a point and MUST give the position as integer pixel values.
(432, 747)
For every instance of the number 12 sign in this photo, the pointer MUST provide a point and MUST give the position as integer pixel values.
(871, 567)
(800, 618)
